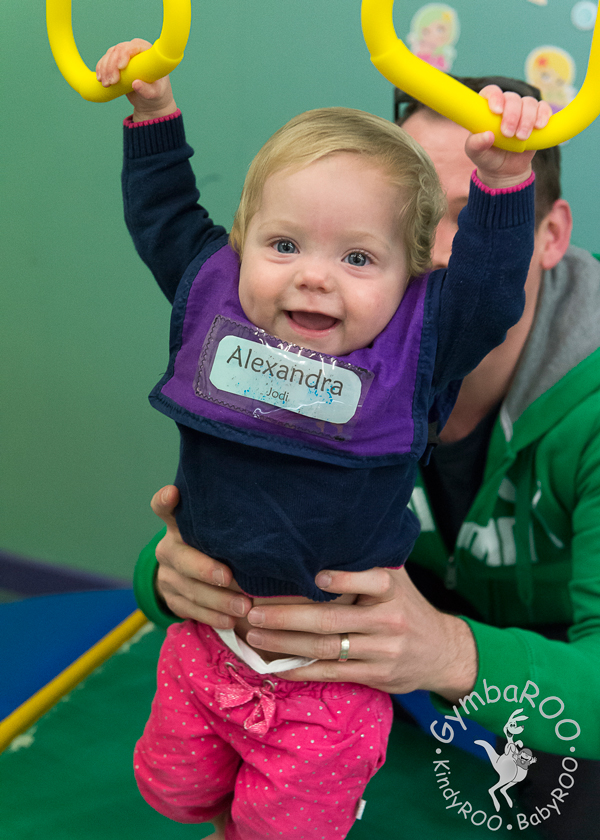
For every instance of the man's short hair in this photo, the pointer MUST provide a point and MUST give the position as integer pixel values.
(324, 131)
(546, 163)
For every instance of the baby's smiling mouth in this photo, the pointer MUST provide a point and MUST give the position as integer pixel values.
(316, 321)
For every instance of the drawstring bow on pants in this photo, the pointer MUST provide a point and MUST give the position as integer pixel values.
(259, 720)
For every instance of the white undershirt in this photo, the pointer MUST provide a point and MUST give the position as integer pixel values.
(255, 660)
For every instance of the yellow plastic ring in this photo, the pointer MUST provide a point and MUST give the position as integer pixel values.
(162, 58)
(445, 95)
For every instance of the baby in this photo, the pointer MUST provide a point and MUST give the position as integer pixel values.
(313, 358)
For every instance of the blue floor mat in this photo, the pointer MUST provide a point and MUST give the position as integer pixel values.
(40, 637)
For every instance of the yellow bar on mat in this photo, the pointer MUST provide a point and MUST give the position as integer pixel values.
(43, 700)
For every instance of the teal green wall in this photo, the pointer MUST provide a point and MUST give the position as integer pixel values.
(83, 331)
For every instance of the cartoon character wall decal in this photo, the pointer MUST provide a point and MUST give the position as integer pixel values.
(513, 764)
(552, 70)
(434, 30)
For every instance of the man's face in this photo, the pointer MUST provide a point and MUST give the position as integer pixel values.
(444, 142)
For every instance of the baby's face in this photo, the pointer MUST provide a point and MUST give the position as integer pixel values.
(324, 264)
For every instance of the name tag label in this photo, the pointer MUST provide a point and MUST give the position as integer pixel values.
(272, 380)
(314, 388)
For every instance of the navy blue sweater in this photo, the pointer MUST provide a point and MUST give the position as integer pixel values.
(274, 502)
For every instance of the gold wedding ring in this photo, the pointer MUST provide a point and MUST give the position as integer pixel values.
(344, 647)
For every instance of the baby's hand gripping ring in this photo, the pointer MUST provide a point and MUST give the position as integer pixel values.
(452, 99)
(163, 57)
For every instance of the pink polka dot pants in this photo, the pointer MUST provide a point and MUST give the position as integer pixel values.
(288, 759)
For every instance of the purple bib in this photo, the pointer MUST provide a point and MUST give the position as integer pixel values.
(232, 380)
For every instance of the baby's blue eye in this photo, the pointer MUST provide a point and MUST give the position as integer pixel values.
(285, 246)
(357, 258)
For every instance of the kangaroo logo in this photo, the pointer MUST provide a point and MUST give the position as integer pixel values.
(513, 764)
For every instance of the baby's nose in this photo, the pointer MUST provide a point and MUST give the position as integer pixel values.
(315, 276)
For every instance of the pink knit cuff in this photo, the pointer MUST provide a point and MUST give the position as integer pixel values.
(504, 190)
(129, 123)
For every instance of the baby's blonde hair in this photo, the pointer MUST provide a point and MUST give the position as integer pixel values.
(326, 131)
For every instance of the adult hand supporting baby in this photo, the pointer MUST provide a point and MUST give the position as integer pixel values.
(398, 641)
(192, 584)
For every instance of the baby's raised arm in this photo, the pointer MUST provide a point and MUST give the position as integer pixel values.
(497, 168)
(149, 101)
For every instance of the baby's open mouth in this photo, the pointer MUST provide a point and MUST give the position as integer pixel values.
(313, 320)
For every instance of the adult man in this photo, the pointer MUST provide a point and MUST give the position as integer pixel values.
(510, 515)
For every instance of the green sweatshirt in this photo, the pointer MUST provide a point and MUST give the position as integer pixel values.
(529, 551)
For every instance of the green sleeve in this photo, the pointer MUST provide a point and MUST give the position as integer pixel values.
(514, 660)
(520, 669)
(146, 596)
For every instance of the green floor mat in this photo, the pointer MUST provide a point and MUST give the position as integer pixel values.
(70, 777)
